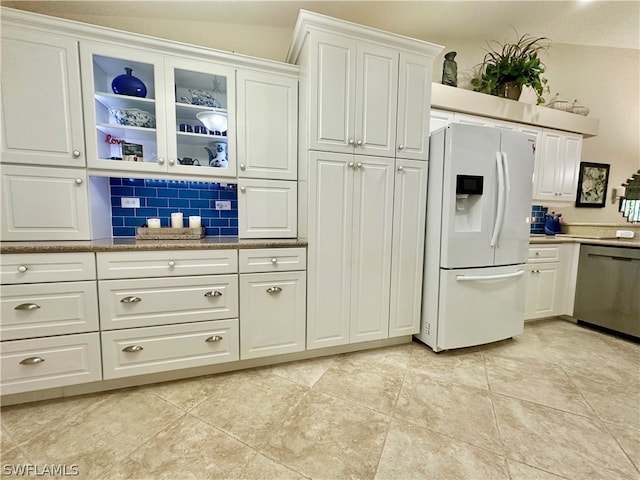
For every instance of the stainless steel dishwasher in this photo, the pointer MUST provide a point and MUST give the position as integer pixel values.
(608, 288)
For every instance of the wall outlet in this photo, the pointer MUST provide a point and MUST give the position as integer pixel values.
(223, 204)
(130, 202)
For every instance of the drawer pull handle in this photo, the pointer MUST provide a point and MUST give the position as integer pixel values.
(32, 361)
(214, 338)
(537, 253)
(27, 306)
(172, 264)
(273, 290)
(274, 260)
(131, 300)
(215, 293)
(132, 349)
(22, 268)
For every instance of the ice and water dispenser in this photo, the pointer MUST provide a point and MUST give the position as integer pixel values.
(468, 215)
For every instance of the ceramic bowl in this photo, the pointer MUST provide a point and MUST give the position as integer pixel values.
(133, 117)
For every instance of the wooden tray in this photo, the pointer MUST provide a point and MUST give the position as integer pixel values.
(168, 233)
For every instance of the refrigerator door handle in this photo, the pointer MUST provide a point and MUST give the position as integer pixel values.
(471, 278)
(501, 201)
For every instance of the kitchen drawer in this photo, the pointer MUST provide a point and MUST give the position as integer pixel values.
(262, 260)
(166, 263)
(161, 301)
(45, 309)
(544, 254)
(50, 362)
(171, 347)
(47, 267)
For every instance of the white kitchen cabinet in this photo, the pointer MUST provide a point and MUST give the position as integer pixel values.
(41, 99)
(439, 119)
(49, 323)
(45, 309)
(556, 175)
(414, 98)
(267, 125)
(273, 313)
(44, 203)
(267, 208)
(551, 279)
(177, 89)
(349, 252)
(409, 214)
(139, 351)
(130, 303)
(353, 92)
(39, 363)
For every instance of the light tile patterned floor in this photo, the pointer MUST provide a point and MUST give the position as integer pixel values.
(559, 401)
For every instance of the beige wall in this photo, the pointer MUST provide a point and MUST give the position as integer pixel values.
(604, 79)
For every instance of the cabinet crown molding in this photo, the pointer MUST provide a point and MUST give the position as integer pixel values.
(83, 31)
(308, 21)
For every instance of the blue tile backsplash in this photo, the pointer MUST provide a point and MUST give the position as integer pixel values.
(160, 198)
(538, 213)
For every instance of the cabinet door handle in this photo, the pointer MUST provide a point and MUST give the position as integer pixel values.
(27, 306)
(78, 181)
(351, 164)
(243, 167)
(359, 142)
(214, 338)
(400, 147)
(273, 290)
(32, 361)
(132, 349)
(243, 189)
(160, 161)
(351, 142)
(130, 299)
(76, 153)
(359, 165)
(400, 168)
(214, 293)
(22, 268)
(172, 161)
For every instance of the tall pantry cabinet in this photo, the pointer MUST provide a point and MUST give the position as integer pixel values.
(364, 109)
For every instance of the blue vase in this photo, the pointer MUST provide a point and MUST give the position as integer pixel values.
(127, 84)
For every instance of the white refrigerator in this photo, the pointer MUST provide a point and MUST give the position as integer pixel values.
(477, 238)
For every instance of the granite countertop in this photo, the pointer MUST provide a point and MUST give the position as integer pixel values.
(586, 239)
(129, 243)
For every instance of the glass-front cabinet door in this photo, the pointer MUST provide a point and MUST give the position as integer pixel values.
(200, 117)
(124, 102)
(153, 113)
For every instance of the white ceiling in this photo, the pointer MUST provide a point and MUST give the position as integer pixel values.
(595, 23)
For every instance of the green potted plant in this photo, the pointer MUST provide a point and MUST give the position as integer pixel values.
(506, 69)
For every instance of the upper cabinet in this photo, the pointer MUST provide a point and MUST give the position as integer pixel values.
(556, 175)
(41, 99)
(367, 92)
(354, 96)
(267, 125)
(148, 112)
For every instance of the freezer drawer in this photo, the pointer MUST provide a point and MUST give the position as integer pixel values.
(480, 305)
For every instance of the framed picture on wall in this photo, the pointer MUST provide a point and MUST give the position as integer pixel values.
(592, 185)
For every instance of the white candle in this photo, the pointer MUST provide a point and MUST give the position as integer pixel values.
(195, 222)
(176, 220)
(153, 222)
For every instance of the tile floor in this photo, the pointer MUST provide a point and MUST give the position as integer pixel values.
(559, 401)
